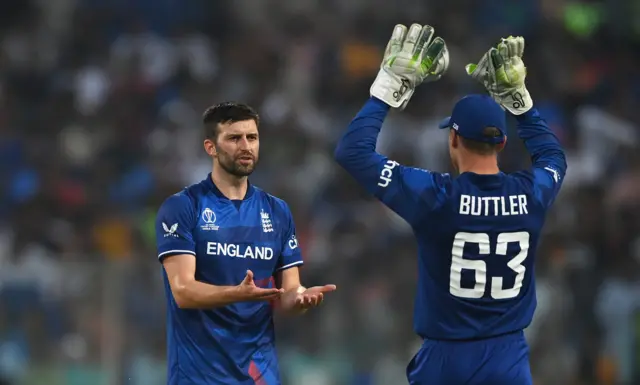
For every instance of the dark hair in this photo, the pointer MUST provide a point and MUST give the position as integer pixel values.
(226, 112)
(482, 148)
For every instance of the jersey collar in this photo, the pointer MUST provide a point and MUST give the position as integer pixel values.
(214, 189)
(485, 180)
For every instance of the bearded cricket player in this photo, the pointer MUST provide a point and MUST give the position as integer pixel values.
(221, 241)
(478, 231)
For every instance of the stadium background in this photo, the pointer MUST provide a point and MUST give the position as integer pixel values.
(100, 102)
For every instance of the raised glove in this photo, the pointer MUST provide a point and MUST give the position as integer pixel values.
(502, 72)
(410, 59)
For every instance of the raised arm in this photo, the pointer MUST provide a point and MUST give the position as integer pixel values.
(412, 57)
(548, 160)
(408, 191)
(502, 71)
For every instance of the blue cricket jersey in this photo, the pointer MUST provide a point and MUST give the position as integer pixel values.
(477, 234)
(232, 344)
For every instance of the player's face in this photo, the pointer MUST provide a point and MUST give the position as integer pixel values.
(237, 147)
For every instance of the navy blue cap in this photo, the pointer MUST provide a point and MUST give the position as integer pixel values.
(472, 114)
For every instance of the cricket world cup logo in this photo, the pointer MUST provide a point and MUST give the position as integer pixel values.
(209, 218)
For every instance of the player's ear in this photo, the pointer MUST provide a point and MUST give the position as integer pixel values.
(209, 147)
(453, 139)
(500, 146)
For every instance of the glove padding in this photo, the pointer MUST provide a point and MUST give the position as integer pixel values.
(502, 72)
(410, 59)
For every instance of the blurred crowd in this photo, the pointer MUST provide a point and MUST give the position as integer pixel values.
(100, 106)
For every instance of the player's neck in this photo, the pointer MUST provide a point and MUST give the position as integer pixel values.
(482, 165)
(231, 186)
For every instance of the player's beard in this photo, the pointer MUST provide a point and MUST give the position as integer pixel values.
(231, 163)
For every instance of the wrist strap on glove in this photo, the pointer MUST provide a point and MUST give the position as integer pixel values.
(392, 89)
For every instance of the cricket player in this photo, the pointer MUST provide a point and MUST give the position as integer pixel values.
(477, 232)
(221, 241)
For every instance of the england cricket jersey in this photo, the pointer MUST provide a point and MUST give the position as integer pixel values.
(477, 234)
(232, 344)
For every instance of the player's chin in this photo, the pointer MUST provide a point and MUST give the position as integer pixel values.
(244, 168)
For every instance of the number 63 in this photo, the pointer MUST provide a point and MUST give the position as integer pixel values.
(458, 263)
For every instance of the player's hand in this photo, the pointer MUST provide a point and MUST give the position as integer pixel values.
(312, 297)
(250, 292)
(412, 57)
(502, 72)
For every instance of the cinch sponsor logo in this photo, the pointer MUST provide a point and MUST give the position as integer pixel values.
(387, 173)
(293, 242)
(239, 251)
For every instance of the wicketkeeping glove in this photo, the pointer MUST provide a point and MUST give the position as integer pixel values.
(410, 59)
(502, 72)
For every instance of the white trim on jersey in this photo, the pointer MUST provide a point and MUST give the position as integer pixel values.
(177, 252)
(290, 265)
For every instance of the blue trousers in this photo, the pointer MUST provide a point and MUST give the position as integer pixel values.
(502, 360)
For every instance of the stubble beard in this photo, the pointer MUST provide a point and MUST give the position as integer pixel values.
(231, 164)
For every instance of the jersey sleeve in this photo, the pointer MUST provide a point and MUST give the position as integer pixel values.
(410, 192)
(548, 159)
(291, 255)
(174, 227)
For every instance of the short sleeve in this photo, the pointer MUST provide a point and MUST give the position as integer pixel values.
(291, 255)
(174, 224)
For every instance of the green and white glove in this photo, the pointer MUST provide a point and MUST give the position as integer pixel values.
(502, 72)
(410, 59)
